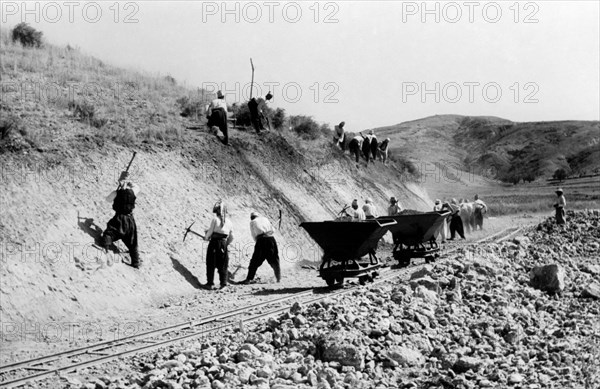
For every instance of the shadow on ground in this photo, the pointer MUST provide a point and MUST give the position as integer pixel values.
(189, 277)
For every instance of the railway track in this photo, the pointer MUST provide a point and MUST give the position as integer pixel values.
(20, 373)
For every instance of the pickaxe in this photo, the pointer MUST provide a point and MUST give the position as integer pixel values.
(189, 229)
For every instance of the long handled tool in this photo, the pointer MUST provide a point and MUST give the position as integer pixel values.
(128, 166)
(251, 82)
(189, 229)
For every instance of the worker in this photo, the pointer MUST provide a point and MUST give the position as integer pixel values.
(122, 225)
(366, 146)
(264, 248)
(220, 236)
(257, 109)
(356, 213)
(217, 116)
(559, 207)
(339, 136)
(373, 141)
(479, 210)
(395, 208)
(442, 231)
(369, 209)
(456, 224)
(355, 146)
(383, 150)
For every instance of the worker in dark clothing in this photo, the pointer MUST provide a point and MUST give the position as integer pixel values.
(219, 235)
(355, 145)
(217, 116)
(122, 226)
(366, 147)
(373, 142)
(265, 247)
(456, 224)
(257, 107)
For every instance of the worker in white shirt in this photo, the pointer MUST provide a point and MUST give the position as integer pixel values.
(220, 236)
(479, 210)
(122, 226)
(339, 136)
(370, 209)
(356, 213)
(217, 116)
(395, 208)
(264, 248)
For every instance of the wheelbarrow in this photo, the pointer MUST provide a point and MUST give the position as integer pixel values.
(414, 235)
(344, 244)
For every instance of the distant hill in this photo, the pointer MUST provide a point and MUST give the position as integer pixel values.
(497, 148)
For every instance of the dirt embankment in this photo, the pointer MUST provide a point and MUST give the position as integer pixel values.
(51, 272)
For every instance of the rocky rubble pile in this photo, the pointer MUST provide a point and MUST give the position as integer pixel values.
(473, 321)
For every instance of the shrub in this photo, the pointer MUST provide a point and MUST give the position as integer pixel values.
(190, 107)
(27, 35)
(560, 174)
(305, 127)
(86, 113)
(278, 118)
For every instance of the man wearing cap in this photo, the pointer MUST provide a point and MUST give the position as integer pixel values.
(217, 115)
(395, 208)
(339, 136)
(369, 209)
(265, 247)
(356, 213)
(257, 108)
(560, 208)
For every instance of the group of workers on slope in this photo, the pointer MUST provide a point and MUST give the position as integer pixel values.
(216, 114)
(368, 145)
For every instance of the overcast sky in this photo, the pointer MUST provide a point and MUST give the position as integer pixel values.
(369, 63)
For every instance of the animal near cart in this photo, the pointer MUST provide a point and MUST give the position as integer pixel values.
(344, 245)
(414, 235)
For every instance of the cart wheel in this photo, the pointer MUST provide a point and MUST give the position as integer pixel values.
(330, 281)
(429, 258)
(362, 280)
(339, 280)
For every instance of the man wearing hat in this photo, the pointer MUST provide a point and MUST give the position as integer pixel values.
(442, 231)
(217, 115)
(479, 209)
(355, 146)
(257, 107)
(265, 247)
(560, 208)
(395, 208)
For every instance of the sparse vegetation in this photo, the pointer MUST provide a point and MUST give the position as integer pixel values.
(307, 128)
(560, 174)
(27, 35)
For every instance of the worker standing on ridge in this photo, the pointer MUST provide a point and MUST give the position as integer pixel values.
(122, 226)
(217, 116)
(265, 247)
(339, 136)
(382, 150)
(369, 209)
(220, 236)
(257, 109)
(395, 208)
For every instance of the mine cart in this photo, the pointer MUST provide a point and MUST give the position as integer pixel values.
(344, 245)
(414, 235)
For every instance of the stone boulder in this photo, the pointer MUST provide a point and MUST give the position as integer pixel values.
(591, 290)
(405, 356)
(549, 278)
(343, 347)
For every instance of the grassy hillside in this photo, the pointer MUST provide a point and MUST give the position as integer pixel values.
(499, 149)
(63, 147)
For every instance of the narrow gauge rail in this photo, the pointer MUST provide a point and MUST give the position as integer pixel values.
(15, 374)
